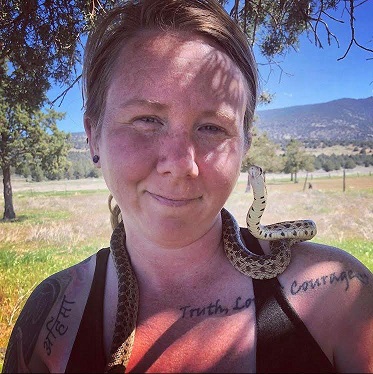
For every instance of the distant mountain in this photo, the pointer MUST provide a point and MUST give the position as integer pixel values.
(337, 121)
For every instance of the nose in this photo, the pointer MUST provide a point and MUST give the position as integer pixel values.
(177, 156)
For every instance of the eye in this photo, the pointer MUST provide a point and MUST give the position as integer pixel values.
(145, 120)
(147, 123)
(212, 129)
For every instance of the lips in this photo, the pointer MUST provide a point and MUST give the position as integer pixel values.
(174, 201)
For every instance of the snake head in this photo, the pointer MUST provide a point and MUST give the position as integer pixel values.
(255, 171)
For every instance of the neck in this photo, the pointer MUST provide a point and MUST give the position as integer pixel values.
(161, 266)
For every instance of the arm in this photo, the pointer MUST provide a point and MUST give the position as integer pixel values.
(25, 333)
(48, 323)
(353, 351)
(332, 292)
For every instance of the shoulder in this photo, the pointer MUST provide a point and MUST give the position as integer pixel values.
(63, 292)
(314, 266)
(332, 291)
(325, 265)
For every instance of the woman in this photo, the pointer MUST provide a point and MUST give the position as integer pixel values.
(170, 89)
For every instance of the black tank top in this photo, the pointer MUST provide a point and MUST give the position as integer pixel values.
(284, 345)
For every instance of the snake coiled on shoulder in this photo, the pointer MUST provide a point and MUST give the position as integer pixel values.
(281, 236)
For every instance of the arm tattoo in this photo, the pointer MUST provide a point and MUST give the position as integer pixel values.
(57, 326)
(30, 322)
(333, 279)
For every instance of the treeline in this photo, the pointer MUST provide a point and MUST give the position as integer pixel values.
(79, 165)
(358, 144)
(337, 162)
(294, 157)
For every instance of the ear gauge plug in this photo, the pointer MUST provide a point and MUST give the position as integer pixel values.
(95, 159)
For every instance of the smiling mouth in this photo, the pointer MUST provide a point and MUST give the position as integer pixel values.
(174, 202)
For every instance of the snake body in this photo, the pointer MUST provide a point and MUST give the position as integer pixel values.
(295, 231)
(281, 236)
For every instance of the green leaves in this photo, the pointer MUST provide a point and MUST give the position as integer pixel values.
(32, 143)
(264, 153)
(275, 26)
(296, 158)
(40, 44)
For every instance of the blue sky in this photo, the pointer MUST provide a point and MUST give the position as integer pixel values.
(307, 76)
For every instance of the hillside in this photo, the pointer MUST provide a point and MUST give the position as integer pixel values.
(343, 120)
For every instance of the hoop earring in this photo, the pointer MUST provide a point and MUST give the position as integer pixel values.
(95, 159)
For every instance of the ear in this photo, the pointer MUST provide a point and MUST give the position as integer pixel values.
(92, 136)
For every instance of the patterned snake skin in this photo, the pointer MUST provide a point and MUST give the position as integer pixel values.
(128, 302)
(281, 236)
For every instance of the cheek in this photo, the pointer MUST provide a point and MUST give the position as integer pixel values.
(224, 163)
(130, 156)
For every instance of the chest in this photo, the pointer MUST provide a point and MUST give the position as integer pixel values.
(216, 336)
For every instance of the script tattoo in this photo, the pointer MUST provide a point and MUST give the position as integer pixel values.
(31, 319)
(216, 308)
(331, 279)
(56, 326)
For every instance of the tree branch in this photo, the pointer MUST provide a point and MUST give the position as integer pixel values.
(352, 28)
(234, 11)
(64, 92)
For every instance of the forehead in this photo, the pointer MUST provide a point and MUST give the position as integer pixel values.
(177, 61)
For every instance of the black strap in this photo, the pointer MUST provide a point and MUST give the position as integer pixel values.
(87, 355)
(284, 345)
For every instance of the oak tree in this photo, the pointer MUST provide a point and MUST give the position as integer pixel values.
(296, 159)
(264, 153)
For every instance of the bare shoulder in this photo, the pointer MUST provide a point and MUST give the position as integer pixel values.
(332, 292)
(59, 293)
(323, 265)
(316, 266)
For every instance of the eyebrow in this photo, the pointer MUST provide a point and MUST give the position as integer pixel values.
(143, 102)
(159, 106)
(219, 113)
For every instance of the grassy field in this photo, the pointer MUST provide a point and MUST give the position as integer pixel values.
(61, 223)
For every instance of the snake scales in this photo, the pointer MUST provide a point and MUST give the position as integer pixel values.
(281, 236)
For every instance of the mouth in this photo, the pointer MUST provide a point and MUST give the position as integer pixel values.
(174, 201)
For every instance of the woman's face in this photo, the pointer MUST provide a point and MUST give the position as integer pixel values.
(172, 141)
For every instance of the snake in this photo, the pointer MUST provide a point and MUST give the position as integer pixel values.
(281, 236)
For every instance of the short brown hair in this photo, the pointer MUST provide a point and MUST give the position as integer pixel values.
(115, 27)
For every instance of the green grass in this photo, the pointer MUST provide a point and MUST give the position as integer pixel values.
(36, 216)
(23, 270)
(20, 272)
(361, 249)
(67, 193)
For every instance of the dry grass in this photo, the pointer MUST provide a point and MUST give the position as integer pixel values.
(67, 219)
(338, 215)
(338, 150)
